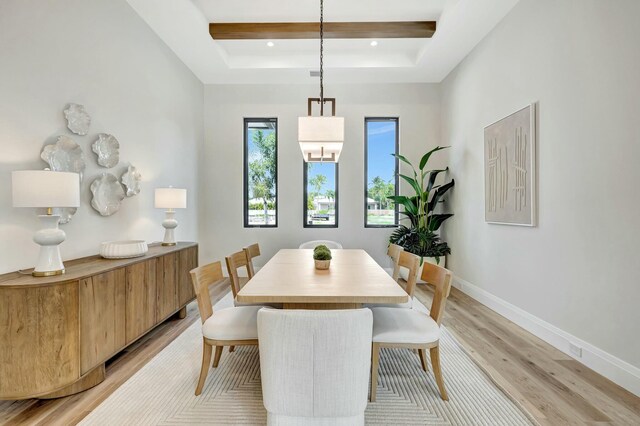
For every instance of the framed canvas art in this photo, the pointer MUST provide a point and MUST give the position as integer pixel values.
(510, 169)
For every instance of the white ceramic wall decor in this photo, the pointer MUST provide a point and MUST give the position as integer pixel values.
(123, 249)
(64, 156)
(78, 120)
(106, 148)
(107, 194)
(131, 181)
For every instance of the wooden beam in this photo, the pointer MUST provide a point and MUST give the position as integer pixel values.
(311, 30)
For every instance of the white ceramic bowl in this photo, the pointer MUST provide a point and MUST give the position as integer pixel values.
(123, 249)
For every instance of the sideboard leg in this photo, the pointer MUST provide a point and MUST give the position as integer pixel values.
(182, 313)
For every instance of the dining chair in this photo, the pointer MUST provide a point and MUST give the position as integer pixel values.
(393, 251)
(314, 243)
(252, 251)
(234, 262)
(234, 326)
(412, 329)
(412, 263)
(315, 365)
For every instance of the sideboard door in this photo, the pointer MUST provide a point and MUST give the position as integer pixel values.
(38, 339)
(188, 260)
(102, 317)
(141, 298)
(167, 286)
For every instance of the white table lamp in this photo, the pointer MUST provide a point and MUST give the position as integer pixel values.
(170, 199)
(46, 189)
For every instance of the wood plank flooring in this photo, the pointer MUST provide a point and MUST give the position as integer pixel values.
(553, 387)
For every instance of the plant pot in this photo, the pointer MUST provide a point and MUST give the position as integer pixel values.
(322, 264)
(404, 272)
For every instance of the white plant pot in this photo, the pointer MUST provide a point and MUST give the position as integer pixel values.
(404, 272)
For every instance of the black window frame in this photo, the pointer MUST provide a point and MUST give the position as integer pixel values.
(305, 194)
(245, 172)
(396, 120)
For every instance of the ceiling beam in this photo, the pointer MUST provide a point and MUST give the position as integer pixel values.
(311, 30)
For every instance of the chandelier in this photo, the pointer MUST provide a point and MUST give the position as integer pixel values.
(321, 137)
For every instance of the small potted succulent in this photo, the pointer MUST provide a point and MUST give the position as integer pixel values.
(322, 257)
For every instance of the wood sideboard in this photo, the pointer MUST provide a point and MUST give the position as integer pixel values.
(57, 332)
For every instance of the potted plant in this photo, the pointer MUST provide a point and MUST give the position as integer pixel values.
(420, 235)
(322, 257)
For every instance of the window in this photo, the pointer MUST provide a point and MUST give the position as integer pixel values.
(320, 195)
(260, 172)
(380, 172)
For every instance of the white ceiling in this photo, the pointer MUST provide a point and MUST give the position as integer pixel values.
(183, 25)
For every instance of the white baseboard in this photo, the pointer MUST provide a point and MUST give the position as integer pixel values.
(611, 367)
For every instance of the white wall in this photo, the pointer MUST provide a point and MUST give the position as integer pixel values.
(102, 55)
(222, 230)
(578, 270)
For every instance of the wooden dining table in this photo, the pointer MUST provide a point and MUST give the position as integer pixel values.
(290, 278)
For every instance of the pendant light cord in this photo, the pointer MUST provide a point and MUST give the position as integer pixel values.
(321, 57)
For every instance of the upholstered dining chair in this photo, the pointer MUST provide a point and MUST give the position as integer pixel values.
(412, 329)
(393, 251)
(313, 244)
(234, 262)
(234, 326)
(412, 263)
(315, 365)
(252, 251)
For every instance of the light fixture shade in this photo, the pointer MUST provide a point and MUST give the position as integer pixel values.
(45, 188)
(321, 138)
(170, 198)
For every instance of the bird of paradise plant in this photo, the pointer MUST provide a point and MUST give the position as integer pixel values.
(421, 236)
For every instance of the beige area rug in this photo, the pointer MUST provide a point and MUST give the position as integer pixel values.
(162, 392)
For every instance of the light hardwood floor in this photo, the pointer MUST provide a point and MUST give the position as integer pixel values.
(553, 387)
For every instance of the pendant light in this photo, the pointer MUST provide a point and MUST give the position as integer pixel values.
(321, 137)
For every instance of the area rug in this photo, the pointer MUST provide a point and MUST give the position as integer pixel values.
(162, 392)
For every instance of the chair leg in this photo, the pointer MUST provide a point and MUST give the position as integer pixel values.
(204, 370)
(231, 348)
(423, 359)
(435, 362)
(375, 361)
(216, 358)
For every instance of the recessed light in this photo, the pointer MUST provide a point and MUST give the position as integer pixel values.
(270, 44)
(374, 43)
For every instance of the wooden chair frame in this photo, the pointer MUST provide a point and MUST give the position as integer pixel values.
(252, 251)
(201, 278)
(393, 251)
(234, 262)
(441, 279)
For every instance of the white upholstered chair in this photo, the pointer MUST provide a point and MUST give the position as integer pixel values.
(412, 329)
(312, 244)
(236, 326)
(315, 365)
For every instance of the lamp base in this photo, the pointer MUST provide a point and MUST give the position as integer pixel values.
(48, 273)
(170, 223)
(49, 238)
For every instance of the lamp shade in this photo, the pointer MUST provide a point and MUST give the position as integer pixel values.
(170, 198)
(321, 138)
(45, 188)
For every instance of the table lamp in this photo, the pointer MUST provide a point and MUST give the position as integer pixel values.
(46, 189)
(170, 199)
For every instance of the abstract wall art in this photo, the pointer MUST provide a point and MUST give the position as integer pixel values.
(510, 169)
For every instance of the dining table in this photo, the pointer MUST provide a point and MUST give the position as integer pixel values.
(291, 279)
